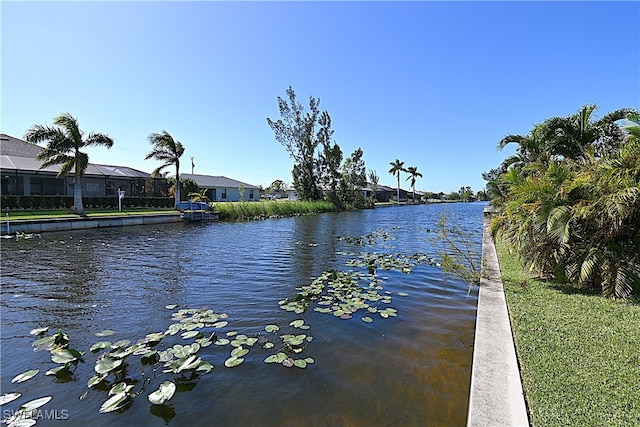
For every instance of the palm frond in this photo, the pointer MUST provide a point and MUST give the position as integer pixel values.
(70, 125)
(558, 224)
(98, 139)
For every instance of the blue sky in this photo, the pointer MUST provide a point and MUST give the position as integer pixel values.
(434, 84)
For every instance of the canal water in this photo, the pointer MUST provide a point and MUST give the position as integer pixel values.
(412, 369)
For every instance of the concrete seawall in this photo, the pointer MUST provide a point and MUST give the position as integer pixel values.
(496, 398)
(64, 224)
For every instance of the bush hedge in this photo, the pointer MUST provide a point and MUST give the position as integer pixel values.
(10, 202)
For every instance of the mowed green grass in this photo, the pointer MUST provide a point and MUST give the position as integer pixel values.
(579, 353)
(229, 211)
(61, 213)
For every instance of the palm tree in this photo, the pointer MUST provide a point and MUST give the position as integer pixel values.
(64, 142)
(531, 151)
(167, 150)
(413, 175)
(577, 219)
(396, 168)
(575, 136)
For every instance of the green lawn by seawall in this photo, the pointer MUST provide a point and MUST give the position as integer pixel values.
(579, 353)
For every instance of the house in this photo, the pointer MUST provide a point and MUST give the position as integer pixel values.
(384, 193)
(419, 196)
(223, 189)
(394, 194)
(21, 174)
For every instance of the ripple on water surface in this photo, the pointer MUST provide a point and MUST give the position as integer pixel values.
(413, 369)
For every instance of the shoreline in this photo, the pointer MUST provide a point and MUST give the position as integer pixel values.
(496, 396)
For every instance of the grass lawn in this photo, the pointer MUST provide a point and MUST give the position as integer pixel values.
(579, 353)
(18, 215)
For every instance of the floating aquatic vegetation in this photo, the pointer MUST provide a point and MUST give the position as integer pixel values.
(9, 397)
(22, 417)
(368, 239)
(164, 393)
(25, 376)
(175, 358)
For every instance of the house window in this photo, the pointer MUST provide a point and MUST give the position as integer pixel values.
(12, 185)
(46, 186)
(224, 193)
(251, 194)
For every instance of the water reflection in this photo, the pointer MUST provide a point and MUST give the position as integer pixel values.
(409, 370)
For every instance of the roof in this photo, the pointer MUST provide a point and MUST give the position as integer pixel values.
(209, 181)
(10, 146)
(20, 156)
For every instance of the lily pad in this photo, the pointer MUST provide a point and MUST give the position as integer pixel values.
(115, 402)
(293, 339)
(58, 371)
(106, 365)
(297, 323)
(272, 328)
(268, 345)
(35, 404)
(239, 352)
(121, 344)
(220, 324)
(9, 397)
(65, 356)
(96, 379)
(233, 361)
(25, 376)
(170, 306)
(204, 367)
(222, 341)
(120, 387)
(44, 343)
(403, 294)
(367, 319)
(174, 328)
(152, 339)
(300, 363)
(105, 333)
(39, 331)
(101, 345)
(288, 362)
(190, 334)
(186, 363)
(20, 421)
(164, 393)
(309, 360)
(272, 359)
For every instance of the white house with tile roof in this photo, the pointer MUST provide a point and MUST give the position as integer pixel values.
(223, 189)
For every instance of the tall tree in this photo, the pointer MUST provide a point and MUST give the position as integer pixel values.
(374, 179)
(396, 168)
(276, 187)
(413, 176)
(168, 151)
(354, 178)
(302, 133)
(64, 142)
(330, 171)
